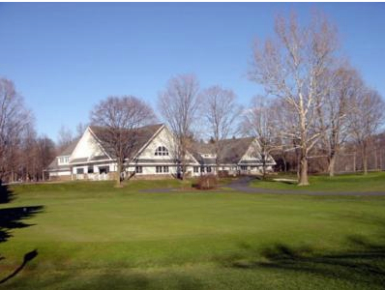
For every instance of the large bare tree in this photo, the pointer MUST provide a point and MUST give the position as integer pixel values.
(64, 138)
(118, 119)
(80, 129)
(179, 105)
(221, 113)
(345, 85)
(260, 120)
(290, 67)
(365, 120)
(14, 119)
(45, 152)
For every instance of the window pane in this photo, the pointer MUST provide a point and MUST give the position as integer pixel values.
(161, 151)
(103, 169)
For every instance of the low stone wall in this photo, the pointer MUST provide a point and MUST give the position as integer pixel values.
(152, 176)
(95, 176)
(60, 178)
(109, 176)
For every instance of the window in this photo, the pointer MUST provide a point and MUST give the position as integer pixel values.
(202, 169)
(161, 169)
(63, 159)
(104, 169)
(161, 151)
(243, 167)
(79, 170)
(139, 169)
(208, 168)
(90, 169)
(196, 169)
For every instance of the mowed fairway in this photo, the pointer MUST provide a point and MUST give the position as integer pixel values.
(94, 236)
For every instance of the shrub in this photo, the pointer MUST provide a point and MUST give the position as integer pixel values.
(223, 173)
(207, 182)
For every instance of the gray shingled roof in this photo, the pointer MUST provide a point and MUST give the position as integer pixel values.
(141, 135)
(101, 157)
(70, 148)
(54, 166)
(79, 160)
(232, 150)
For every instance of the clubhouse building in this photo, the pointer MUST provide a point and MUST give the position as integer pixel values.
(152, 157)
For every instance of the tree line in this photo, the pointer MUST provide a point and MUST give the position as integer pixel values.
(23, 154)
(315, 106)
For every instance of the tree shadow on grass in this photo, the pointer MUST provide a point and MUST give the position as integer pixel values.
(365, 266)
(10, 219)
(363, 263)
(27, 258)
(120, 281)
(6, 195)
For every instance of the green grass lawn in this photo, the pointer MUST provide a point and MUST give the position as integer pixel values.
(341, 183)
(95, 236)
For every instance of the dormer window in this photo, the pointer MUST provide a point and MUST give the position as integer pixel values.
(64, 159)
(161, 151)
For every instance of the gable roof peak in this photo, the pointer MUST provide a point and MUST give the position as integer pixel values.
(142, 135)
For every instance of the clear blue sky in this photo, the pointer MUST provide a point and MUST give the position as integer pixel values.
(64, 58)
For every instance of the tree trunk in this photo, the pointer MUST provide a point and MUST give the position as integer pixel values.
(364, 159)
(183, 169)
(217, 156)
(118, 173)
(284, 164)
(354, 162)
(331, 167)
(303, 178)
(179, 170)
(264, 166)
(182, 162)
(298, 165)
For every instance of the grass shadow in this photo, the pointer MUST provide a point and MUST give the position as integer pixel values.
(10, 219)
(366, 265)
(27, 258)
(123, 279)
(6, 194)
(362, 262)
